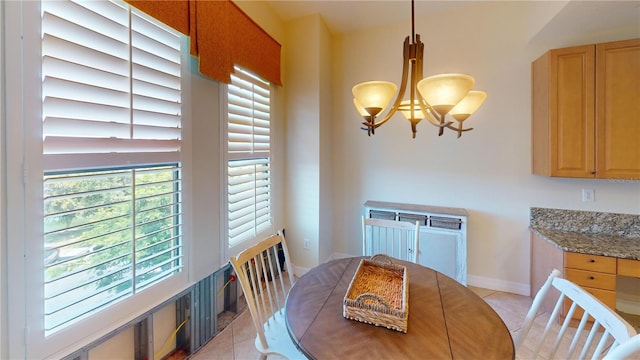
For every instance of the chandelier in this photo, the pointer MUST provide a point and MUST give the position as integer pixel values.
(431, 98)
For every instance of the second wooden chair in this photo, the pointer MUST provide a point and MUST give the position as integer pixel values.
(398, 239)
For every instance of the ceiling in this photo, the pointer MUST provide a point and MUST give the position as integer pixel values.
(351, 15)
(592, 17)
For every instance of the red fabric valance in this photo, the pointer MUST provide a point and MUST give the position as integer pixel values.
(221, 35)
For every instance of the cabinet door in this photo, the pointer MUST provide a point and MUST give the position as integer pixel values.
(572, 132)
(618, 109)
(444, 251)
(563, 112)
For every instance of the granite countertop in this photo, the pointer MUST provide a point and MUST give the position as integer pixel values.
(586, 232)
(594, 244)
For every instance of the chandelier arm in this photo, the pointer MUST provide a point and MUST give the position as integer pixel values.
(414, 130)
(425, 107)
(368, 122)
(368, 127)
(415, 61)
(428, 112)
(403, 87)
(459, 129)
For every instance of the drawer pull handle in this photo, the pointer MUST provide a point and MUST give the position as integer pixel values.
(591, 278)
(591, 261)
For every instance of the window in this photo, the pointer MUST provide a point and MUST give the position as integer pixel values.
(248, 156)
(108, 235)
(111, 121)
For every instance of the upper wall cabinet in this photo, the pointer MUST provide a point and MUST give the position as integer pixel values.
(586, 111)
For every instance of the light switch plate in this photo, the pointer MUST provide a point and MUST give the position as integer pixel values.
(588, 195)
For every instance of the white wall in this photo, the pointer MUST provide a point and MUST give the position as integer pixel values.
(302, 83)
(3, 236)
(541, 13)
(207, 255)
(487, 170)
(309, 210)
(325, 243)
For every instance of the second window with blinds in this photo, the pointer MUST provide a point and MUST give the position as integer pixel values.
(249, 208)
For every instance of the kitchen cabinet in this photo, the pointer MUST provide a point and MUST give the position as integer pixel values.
(586, 111)
(595, 273)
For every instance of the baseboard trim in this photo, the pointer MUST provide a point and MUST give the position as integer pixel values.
(498, 285)
(299, 271)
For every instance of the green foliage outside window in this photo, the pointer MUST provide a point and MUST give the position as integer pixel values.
(103, 230)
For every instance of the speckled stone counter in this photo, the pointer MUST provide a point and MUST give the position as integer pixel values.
(587, 232)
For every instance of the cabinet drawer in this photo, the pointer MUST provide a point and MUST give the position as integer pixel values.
(628, 267)
(591, 279)
(606, 296)
(597, 263)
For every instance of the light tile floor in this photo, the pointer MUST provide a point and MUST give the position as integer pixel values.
(236, 341)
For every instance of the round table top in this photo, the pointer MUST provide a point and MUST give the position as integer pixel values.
(446, 320)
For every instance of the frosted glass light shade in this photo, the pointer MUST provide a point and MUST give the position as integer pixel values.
(374, 96)
(361, 110)
(444, 91)
(468, 105)
(405, 109)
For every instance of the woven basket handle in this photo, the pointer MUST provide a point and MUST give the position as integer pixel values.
(381, 258)
(369, 296)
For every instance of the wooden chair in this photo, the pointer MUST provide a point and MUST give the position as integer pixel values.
(607, 329)
(398, 239)
(265, 274)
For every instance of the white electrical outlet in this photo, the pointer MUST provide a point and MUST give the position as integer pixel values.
(588, 195)
(307, 244)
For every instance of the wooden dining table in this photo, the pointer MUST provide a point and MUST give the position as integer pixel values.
(446, 320)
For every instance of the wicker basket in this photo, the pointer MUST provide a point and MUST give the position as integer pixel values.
(379, 294)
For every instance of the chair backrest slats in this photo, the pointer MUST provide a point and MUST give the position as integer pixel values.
(599, 329)
(262, 289)
(265, 274)
(398, 239)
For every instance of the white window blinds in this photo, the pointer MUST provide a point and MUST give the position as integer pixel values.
(111, 86)
(249, 116)
(249, 168)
